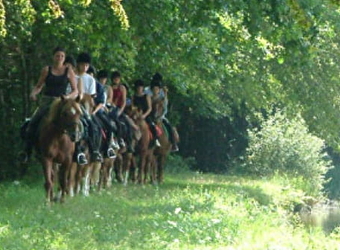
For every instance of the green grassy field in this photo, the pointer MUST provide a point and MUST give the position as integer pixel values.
(189, 211)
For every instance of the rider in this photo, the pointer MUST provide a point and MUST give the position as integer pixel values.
(118, 101)
(100, 116)
(156, 94)
(143, 102)
(55, 79)
(87, 85)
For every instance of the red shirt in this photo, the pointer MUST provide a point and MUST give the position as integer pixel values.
(117, 97)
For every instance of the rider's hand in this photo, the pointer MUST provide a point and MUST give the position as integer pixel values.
(33, 97)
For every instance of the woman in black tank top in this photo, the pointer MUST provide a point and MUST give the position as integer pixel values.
(143, 101)
(55, 79)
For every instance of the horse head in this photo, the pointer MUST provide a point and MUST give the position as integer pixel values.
(158, 108)
(134, 113)
(65, 115)
(88, 103)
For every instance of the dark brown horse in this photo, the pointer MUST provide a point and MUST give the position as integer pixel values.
(58, 132)
(162, 152)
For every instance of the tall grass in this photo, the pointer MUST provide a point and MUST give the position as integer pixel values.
(189, 211)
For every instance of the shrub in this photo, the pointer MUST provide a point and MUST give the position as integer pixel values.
(285, 145)
(177, 165)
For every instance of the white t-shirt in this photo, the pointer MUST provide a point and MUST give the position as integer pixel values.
(89, 84)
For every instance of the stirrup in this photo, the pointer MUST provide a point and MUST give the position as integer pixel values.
(175, 148)
(111, 153)
(81, 159)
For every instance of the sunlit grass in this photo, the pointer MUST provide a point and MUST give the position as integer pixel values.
(189, 211)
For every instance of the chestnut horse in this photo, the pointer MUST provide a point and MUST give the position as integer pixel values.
(56, 143)
(143, 151)
(80, 174)
(161, 152)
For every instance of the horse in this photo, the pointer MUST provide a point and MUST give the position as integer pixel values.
(142, 147)
(80, 177)
(56, 143)
(162, 152)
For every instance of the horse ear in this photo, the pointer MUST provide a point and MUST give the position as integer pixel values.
(62, 97)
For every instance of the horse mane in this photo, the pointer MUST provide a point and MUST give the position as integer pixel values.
(54, 111)
(57, 107)
(133, 112)
(157, 106)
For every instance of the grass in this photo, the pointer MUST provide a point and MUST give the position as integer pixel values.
(189, 211)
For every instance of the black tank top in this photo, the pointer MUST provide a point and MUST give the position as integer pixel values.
(56, 85)
(141, 102)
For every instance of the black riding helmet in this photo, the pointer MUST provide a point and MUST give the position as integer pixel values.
(84, 58)
(139, 83)
(91, 70)
(102, 74)
(70, 60)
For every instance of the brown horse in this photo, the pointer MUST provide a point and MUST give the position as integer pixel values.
(81, 174)
(143, 151)
(162, 152)
(58, 132)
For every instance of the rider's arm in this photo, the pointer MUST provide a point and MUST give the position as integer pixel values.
(73, 83)
(109, 93)
(148, 111)
(123, 89)
(100, 99)
(38, 87)
(80, 88)
(165, 104)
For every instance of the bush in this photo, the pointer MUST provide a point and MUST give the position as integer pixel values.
(176, 164)
(285, 145)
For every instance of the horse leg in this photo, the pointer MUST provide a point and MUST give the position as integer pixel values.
(95, 175)
(160, 167)
(119, 168)
(47, 167)
(146, 169)
(62, 181)
(86, 179)
(141, 168)
(126, 168)
(109, 173)
(72, 179)
(152, 170)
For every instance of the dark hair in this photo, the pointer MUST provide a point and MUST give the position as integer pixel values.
(102, 74)
(156, 80)
(139, 83)
(91, 70)
(70, 60)
(84, 58)
(115, 74)
(57, 49)
(157, 77)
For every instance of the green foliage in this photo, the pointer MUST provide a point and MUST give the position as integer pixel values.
(216, 56)
(190, 211)
(285, 145)
(176, 164)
